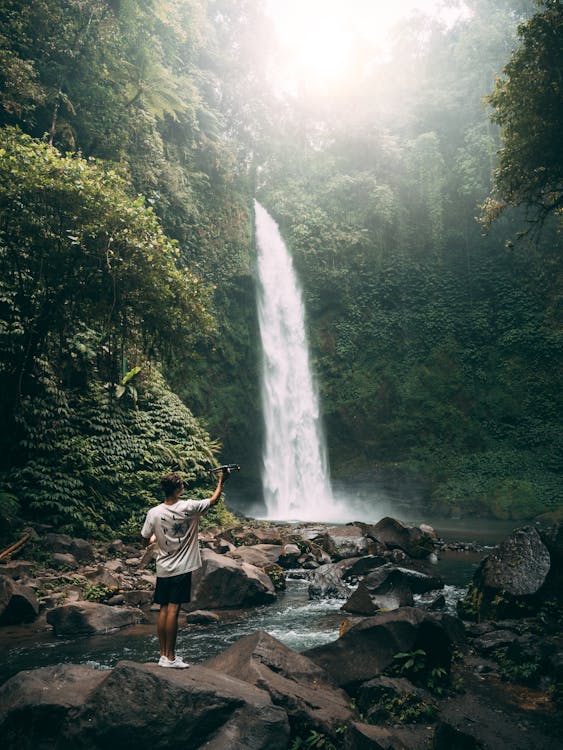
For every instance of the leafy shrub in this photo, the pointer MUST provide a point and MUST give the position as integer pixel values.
(95, 462)
(98, 592)
(406, 709)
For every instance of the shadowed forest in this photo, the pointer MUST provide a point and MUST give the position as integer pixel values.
(420, 198)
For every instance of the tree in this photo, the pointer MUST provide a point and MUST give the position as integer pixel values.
(528, 105)
(78, 252)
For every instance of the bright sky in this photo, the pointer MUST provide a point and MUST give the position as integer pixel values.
(320, 37)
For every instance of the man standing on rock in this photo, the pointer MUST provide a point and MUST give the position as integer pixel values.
(175, 525)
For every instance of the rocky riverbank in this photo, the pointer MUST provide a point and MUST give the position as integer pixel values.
(404, 673)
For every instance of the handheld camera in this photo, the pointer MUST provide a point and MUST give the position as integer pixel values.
(226, 467)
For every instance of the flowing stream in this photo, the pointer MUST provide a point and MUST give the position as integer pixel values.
(295, 475)
(293, 619)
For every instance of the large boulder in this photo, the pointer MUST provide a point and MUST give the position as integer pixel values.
(293, 681)
(259, 555)
(510, 581)
(158, 708)
(361, 603)
(222, 582)
(246, 536)
(388, 577)
(367, 648)
(87, 618)
(417, 542)
(388, 587)
(79, 548)
(18, 603)
(345, 541)
(326, 582)
(142, 706)
(356, 567)
(34, 705)
(518, 566)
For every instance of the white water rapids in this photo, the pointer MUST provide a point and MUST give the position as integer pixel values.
(295, 474)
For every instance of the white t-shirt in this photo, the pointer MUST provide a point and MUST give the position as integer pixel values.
(175, 527)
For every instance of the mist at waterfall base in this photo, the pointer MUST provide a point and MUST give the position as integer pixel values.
(295, 475)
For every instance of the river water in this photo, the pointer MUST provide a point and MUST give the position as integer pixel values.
(293, 619)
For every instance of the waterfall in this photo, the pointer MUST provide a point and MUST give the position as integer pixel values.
(295, 473)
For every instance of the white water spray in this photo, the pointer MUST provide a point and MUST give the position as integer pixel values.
(295, 474)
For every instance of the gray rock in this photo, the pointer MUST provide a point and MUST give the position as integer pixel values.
(389, 577)
(436, 604)
(116, 547)
(86, 618)
(17, 569)
(290, 553)
(518, 566)
(138, 597)
(64, 560)
(223, 545)
(259, 555)
(202, 617)
(360, 602)
(145, 707)
(369, 737)
(293, 681)
(113, 601)
(80, 548)
(344, 541)
(326, 583)
(374, 642)
(222, 582)
(358, 567)
(102, 576)
(413, 540)
(18, 603)
(114, 566)
(492, 640)
(34, 705)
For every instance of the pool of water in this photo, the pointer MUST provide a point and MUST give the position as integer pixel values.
(293, 619)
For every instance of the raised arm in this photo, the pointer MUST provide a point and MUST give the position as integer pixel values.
(217, 494)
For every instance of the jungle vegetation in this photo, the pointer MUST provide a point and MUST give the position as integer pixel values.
(422, 204)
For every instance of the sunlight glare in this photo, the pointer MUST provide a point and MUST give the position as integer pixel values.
(321, 39)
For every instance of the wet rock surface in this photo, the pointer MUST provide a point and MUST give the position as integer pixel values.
(409, 678)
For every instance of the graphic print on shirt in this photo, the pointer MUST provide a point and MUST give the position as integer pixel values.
(173, 536)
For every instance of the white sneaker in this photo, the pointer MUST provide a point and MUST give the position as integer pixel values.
(177, 663)
(164, 661)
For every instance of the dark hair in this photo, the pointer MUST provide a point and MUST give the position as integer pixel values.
(171, 482)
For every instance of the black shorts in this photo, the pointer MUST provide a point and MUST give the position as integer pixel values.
(173, 590)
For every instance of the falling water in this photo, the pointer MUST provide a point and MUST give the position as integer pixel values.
(295, 471)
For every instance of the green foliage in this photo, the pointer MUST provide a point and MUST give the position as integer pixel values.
(414, 666)
(522, 672)
(408, 664)
(528, 105)
(98, 592)
(94, 461)
(312, 741)
(406, 709)
(218, 515)
(436, 350)
(516, 500)
(277, 575)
